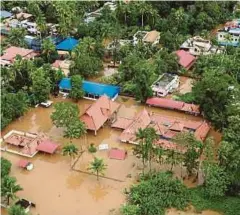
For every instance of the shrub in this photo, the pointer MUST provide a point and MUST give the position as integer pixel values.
(92, 148)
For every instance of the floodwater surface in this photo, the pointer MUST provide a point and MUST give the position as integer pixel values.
(55, 188)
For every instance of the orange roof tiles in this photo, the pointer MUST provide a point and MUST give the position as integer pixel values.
(12, 52)
(122, 123)
(141, 120)
(99, 112)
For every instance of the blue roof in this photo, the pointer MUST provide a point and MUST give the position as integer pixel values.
(5, 14)
(92, 88)
(68, 44)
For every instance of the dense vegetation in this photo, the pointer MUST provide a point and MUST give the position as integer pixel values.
(155, 194)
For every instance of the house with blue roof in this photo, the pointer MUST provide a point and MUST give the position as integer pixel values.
(68, 44)
(92, 90)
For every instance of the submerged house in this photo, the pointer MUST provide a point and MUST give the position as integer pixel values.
(174, 105)
(167, 127)
(92, 90)
(98, 113)
(164, 84)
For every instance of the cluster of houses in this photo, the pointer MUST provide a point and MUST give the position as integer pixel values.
(104, 110)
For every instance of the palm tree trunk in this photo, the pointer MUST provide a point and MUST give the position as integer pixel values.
(8, 200)
(142, 19)
(97, 176)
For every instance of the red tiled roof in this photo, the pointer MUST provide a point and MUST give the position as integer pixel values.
(165, 103)
(185, 59)
(172, 104)
(122, 123)
(177, 126)
(47, 146)
(202, 131)
(141, 120)
(12, 52)
(117, 154)
(99, 112)
(23, 163)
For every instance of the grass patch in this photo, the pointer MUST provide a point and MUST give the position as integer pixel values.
(226, 205)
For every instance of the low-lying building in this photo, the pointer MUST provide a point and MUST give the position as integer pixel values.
(174, 105)
(185, 59)
(98, 113)
(164, 84)
(167, 127)
(10, 54)
(198, 46)
(92, 90)
(147, 37)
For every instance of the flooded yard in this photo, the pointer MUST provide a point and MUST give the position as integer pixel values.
(55, 189)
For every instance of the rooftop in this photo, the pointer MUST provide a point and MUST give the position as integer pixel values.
(92, 88)
(164, 80)
(11, 52)
(99, 112)
(186, 60)
(68, 44)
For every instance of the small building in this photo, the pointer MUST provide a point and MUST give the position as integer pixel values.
(68, 44)
(147, 37)
(198, 46)
(5, 14)
(229, 37)
(97, 114)
(164, 84)
(185, 59)
(92, 90)
(64, 65)
(11, 52)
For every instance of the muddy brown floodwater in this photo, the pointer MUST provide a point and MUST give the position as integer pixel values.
(54, 188)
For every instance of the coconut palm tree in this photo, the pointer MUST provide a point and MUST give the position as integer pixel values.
(48, 49)
(97, 166)
(9, 188)
(41, 24)
(70, 150)
(140, 149)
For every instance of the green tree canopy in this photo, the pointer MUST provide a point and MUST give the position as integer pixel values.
(40, 86)
(98, 167)
(5, 167)
(153, 195)
(16, 210)
(76, 92)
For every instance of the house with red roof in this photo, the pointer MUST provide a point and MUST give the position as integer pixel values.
(97, 114)
(174, 105)
(167, 127)
(186, 60)
(11, 53)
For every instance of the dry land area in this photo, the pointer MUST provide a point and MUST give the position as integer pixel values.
(56, 189)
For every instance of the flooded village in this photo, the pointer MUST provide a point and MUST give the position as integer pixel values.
(120, 108)
(52, 184)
